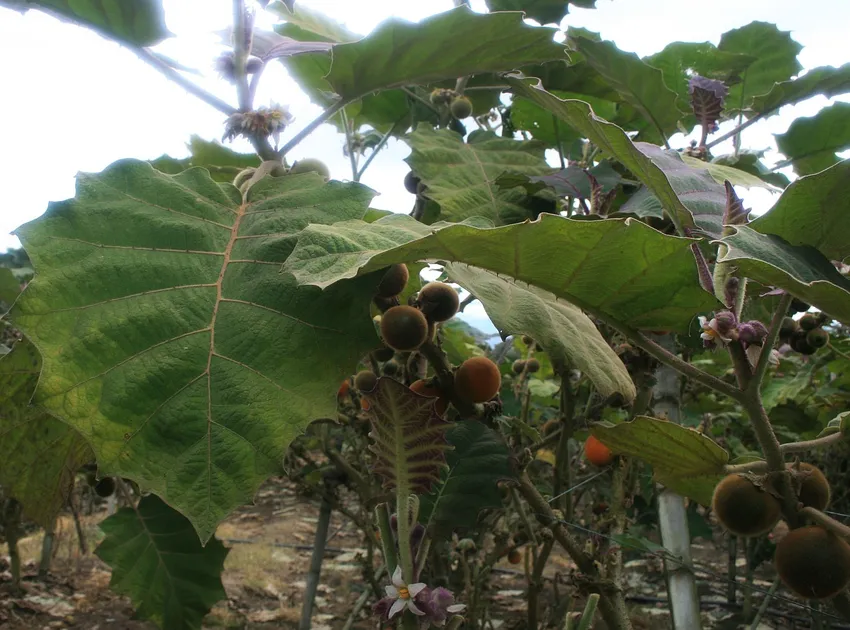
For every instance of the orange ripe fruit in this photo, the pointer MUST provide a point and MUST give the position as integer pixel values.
(596, 452)
(421, 387)
(365, 405)
(478, 379)
(343, 389)
(514, 556)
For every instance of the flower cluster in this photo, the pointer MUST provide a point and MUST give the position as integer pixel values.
(431, 606)
(262, 123)
(724, 328)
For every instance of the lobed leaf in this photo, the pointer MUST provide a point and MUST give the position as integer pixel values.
(462, 176)
(685, 460)
(408, 436)
(159, 563)
(544, 11)
(570, 338)
(616, 268)
(170, 338)
(826, 80)
(479, 459)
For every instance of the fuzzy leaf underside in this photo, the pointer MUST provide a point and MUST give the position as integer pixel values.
(159, 563)
(479, 459)
(570, 338)
(41, 455)
(170, 338)
(801, 270)
(408, 436)
(619, 268)
(611, 139)
(683, 459)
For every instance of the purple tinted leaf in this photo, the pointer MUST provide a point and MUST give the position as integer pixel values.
(735, 213)
(408, 436)
(707, 96)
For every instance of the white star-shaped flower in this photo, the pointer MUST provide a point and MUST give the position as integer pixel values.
(403, 595)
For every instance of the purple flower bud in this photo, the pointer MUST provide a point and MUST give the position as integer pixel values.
(725, 322)
(752, 332)
(381, 608)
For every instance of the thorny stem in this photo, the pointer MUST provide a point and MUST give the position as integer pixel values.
(402, 512)
(306, 131)
(839, 529)
(170, 73)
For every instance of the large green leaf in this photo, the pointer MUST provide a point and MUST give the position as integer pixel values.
(815, 211)
(618, 268)
(461, 176)
(10, 287)
(721, 172)
(810, 143)
(544, 11)
(540, 123)
(679, 61)
(570, 338)
(451, 44)
(138, 22)
(776, 60)
(320, 27)
(222, 163)
(801, 270)
(159, 563)
(826, 80)
(170, 338)
(611, 139)
(40, 454)
(685, 460)
(478, 461)
(639, 84)
(701, 194)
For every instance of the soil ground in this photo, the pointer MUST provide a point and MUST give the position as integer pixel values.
(266, 569)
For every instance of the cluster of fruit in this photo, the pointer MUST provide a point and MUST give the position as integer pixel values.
(459, 106)
(811, 561)
(805, 335)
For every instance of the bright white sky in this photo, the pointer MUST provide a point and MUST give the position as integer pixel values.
(76, 102)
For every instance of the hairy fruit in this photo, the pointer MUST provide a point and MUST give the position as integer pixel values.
(800, 344)
(342, 392)
(596, 452)
(404, 328)
(787, 328)
(813, 562)
(365, 381)
(809, 321)
(394, 281)
(461, 108)
(514, 556)
(411, 183)
(814, 488)
(532, 365)
(310, 165)
(518, 366)
(743, 508)
(438, 301)
(817, 338)
(478, 379)
(425, 389)
(391, 368)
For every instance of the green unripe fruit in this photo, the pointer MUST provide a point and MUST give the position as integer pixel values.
(404, 328)
(365, 381)
(743, 508)
(809, 321)
(310, 165)
(518, 366)
(411, 183)
(438, 301)
(532, 365)
(817, 338)
(105, 487)
(394, 281)
(461, 108)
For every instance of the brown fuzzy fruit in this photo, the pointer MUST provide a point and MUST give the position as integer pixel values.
(743, 508)
(550, 426)
(438, 301)
(404, 328)
(514, 556)
(365, 381)
(814, 488)
(424, 388)
(532, 365)
(461, 108)
(478, 379)
(393, 282)
(817, 338)
(809, 321)
(787, 328)
(813, 562)
(518, 366)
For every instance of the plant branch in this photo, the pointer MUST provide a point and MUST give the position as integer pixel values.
(311, 127)
(170, 73)
(377, 148)
(769, 341)
(240, 54)
(737, 129)
(355, 175)
(425, 102)
(808, 445)
(382, 516)
(558, 141)
(839, 529)
(446, 378)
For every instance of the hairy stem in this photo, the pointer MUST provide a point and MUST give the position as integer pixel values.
(769, 341)
(405, 558)
(839, 529)
(311, 127)
(240, 54)
(382, 516)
